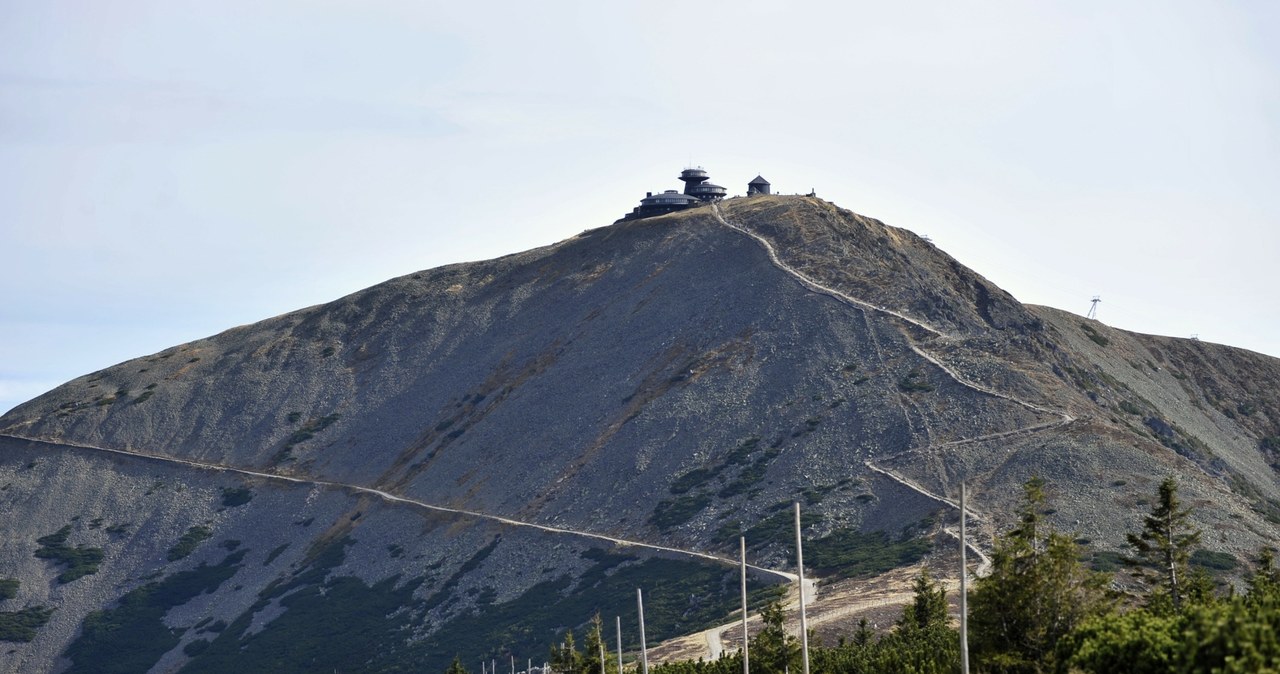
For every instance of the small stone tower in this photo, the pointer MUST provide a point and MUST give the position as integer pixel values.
(757, 186)
(696, 185)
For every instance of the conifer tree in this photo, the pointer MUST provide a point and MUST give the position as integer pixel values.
(773, 651)
(565, 658)
(928, 609)
(593, 646)
(1037, 592)
(1166, 542)
(456, 667)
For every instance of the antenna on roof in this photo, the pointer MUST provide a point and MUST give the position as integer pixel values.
(1093, 308)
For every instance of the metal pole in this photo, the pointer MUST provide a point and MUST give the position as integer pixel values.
(513, 663)
(964, 590)
(804, 622)
(618, 626)
(742, 551)
(644, 650)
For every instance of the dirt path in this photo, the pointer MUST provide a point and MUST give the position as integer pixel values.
(326, 484)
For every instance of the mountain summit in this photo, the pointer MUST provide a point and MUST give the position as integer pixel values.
(473, 458)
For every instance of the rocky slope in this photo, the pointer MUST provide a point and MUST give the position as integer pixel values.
(671, 381)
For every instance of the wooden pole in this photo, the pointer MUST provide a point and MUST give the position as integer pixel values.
(644, 650)
(746, 657)
(618, 626)
(804, 622)
(964, 589)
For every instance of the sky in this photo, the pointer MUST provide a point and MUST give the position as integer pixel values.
(171, 169)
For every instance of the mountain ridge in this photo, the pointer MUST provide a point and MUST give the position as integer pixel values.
(845, 363)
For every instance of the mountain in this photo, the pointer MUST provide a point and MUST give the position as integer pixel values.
(470, 459)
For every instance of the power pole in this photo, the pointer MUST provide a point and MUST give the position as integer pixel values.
(644, 650)
(618, 626)
(804, 622)
(746, 658)
(964, 590)
(1093, 308)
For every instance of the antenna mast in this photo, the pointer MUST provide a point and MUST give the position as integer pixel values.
(1093, 308)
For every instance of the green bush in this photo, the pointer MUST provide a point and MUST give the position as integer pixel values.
(132, 636)
(8, 588)
(80, 561)
(21, 626)
(677, 511)
(914, 382)
(188, 543)
(1218, 561)
(235, 496)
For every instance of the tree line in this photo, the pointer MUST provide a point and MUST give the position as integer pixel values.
(1041, 610)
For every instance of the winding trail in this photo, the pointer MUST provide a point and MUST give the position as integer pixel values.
(712, 636)
(1064, 417)
(392, 498)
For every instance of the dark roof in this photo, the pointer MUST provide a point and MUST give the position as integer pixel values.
(669, 197)
(759, 181)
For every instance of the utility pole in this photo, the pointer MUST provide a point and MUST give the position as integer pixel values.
(746, 658)
(644, 650)
(804, 622)
(964, 590)
(618, 626)
(1093, 308)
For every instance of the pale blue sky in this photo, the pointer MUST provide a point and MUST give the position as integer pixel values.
(171, 169)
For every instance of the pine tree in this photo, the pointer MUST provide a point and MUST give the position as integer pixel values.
(594, 645)
(1037, 592)
(1166, 542)
(929, 606)
(565, 658)
(773, 651)
(456, 667)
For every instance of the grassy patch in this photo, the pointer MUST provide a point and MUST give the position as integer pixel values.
(188, 543)
(692, 479)
(1107, 561)
(1094, 335)
(9, 588)
(1129, 407)
(846, 553)
(80, 561)
(271, 556)
(1217, 561)
(236, 496)
(914, 382)
(776, 528)
(674, 512)
(344, 624)
(21, 626)
(132, 636)
(308, 431)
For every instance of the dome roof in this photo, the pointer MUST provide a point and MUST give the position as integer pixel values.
(670, 197)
